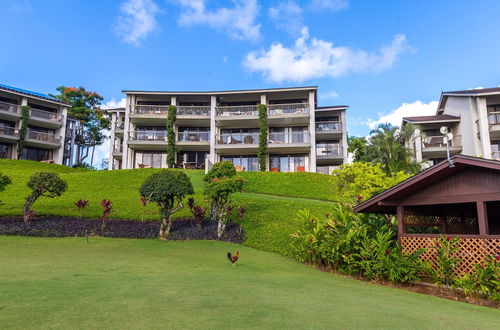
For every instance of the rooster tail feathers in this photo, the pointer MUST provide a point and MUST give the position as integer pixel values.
(229, 255)
(237, 253)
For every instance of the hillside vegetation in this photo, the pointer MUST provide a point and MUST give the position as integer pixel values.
(269, 220)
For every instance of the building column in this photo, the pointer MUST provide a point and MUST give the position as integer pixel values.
(482, 218)
(111, 160)
(61, 132)
(213, 129)
(343, 123)
(312, 132)
(400, 216)
(484, 127)
(126, 128)
(418, 148)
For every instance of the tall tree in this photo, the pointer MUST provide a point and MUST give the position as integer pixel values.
(85, 106)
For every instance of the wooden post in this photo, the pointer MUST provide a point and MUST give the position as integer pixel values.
(482, 218)
(400, 216)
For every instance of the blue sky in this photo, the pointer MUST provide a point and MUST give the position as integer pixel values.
(384, 59)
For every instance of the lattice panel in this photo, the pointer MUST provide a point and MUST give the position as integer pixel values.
(472, 250)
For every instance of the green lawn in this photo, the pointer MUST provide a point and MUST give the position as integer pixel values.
(268, 223)
(115, 283)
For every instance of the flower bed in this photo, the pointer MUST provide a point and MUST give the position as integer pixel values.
(49, 226)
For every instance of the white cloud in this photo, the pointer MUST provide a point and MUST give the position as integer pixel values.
(395, 117)
(237, 21)
(332, 5)
(137, 20)
(114, 104)
(315, 58)
(329, 95)
(287, 15)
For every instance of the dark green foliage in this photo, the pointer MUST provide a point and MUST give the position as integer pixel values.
(167, 189)
(224, 169)
(261, 154)
(443, 270)
(357, 146)
(484, 279)
(46, 184)
(25, 112)
(171, 118)
(4, 182)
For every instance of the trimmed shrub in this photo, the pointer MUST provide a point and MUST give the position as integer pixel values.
(25, 112)
(46, 184)
(4, 182)
(223, 169)
(171, 118)
(261, 154)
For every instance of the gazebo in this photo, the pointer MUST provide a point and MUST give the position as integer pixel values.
(460, 197)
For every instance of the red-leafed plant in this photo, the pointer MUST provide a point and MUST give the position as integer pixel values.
(106, 210)
(197, 211)
(30, 215)
(81, 204)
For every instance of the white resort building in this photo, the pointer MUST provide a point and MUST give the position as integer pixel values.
(224, 125)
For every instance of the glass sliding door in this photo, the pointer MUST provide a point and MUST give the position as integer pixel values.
(288, 163)
(247, 163)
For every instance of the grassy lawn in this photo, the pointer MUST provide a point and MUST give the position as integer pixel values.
(116, 283)
(268, 223)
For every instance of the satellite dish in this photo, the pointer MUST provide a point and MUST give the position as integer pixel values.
(443, 130)
(449, 136)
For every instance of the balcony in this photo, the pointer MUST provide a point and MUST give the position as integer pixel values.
(148, 114)
(193, 141)
(290, 142)
(435, 146)
(148, 139)
(45, 118)
(119, 128)
(329, 154)
(8, 134)
(117, 151)
(41, 139)
(328, 130)
(494, 121)
(291, 113)
(193, 115)
(237, 142)
(10, 111)
(495, 155)
(232, 116)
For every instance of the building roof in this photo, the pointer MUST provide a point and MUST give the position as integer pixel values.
(381, 203)
(332, 107)
(21, 91)
(435, 118)
(260, 90)
(115, 110)
(466, 93)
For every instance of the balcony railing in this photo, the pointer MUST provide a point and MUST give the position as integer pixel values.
(45, 114)
(4, 106)
(119, 125)
(287, 109)
(42, 136)
(327, 126)
(150, 135)
(240, 110)
(238, 138)
(150, 109)
(328, 150)
(118, 149)
(294, 137)
(193, 136)
(183, 110)
(494, 118)
(495, 155)
(7, 130)
(439, 141)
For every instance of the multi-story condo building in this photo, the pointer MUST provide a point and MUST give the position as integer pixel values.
(473, 119)
(224, 125)
(46, 138)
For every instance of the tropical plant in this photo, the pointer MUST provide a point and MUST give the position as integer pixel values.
(106, 208)
(25, 113)
(81, 204)
(357, 146)
(4, 182)
(261, 154)
(46, 184)
(483, 279)
(167, 189)
(197, 211)
(444, 268)
(223, 169)
(171, 118)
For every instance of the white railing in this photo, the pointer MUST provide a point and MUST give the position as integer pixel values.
(494, 118)
(240, 110)
(44, 114)
(326, 126)
(439, 142)
(495, 155)
(148, 135)
(149, 109)
(42, 136)
(287, 109)
(119, 125)
(326, 150)
(7, 130)
(238, 138)
(4, 106)
(184, 110)
(294, 137)
(193, 136)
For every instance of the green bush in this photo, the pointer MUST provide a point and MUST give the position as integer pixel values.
(219, 170)
(25, 112)
(4, 182)
(171, 118)
(362, 180)
(46, 184)
(261, 154)
(484, 279)
(444, 269)
(167, 189)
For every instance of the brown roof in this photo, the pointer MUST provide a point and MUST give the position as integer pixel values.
(436, 173)
(431, 118)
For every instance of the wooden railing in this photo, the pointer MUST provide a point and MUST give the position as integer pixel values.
(9, 107)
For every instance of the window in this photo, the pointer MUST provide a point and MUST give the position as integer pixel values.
(190, 134)
(36, 154)
(328, 149)
(239, 135)
(287, 163)
(150, 159)
(5, 150)
(249, 163)
(192, 157)
(148, 133)
(288, 135)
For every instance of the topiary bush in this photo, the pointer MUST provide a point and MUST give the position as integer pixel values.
(46, 184)
(167, 189)
(171, 118)
(25, 112)
(262, 136)
(219, 170)
(4, 182)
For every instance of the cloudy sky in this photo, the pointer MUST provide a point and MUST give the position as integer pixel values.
(385, 59)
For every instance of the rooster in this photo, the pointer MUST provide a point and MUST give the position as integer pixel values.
(234, 258)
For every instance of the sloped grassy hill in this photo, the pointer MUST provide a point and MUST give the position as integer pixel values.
(271, 199)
